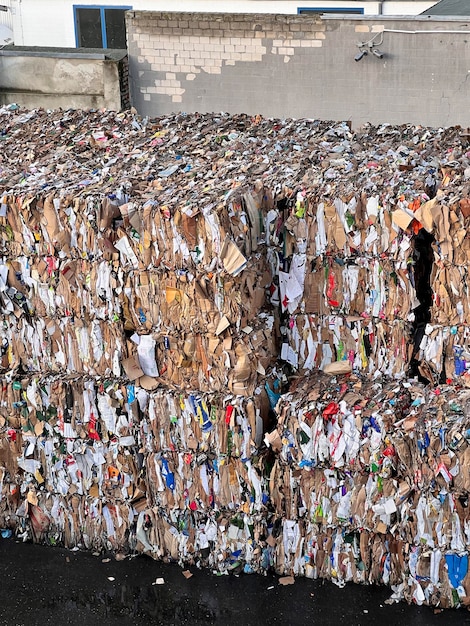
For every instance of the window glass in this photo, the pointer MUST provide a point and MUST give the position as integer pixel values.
(115, 28)
(89, 28)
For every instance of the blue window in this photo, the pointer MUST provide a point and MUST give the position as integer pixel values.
(348, 10)
(100, 26)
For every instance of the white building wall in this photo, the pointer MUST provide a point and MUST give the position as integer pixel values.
(405, 8)
(51, 22)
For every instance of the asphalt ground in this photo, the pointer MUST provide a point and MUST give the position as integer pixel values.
(43, 585)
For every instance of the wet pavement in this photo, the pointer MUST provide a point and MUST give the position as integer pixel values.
(43, 585)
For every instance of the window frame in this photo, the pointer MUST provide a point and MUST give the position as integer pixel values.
(102, 8)
(331, 10)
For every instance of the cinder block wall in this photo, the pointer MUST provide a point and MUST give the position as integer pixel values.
(300, 66)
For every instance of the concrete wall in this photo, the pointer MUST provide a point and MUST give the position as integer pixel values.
(51, 22)
(299, 66)
(59, 80)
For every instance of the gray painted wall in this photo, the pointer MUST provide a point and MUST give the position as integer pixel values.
(301, 66)
(59, 80)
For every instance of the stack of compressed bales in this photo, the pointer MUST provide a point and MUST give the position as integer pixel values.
(160, 283)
